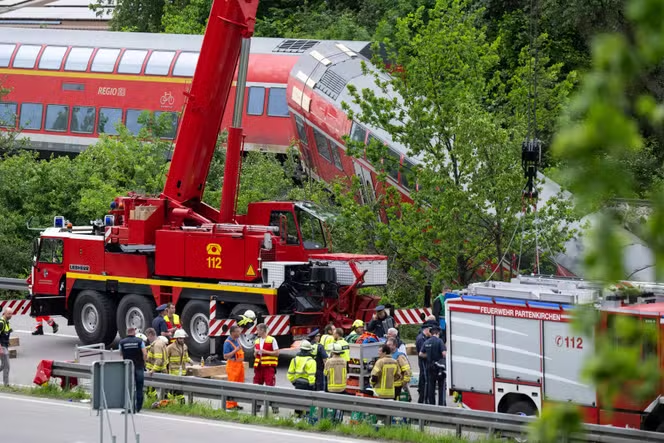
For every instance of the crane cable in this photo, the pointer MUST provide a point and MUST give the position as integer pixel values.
(531, 149)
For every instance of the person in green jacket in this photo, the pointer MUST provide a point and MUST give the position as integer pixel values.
(356, 331)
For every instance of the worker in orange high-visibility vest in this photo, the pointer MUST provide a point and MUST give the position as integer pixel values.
(266, 359)
(234, 355)
(172, 319)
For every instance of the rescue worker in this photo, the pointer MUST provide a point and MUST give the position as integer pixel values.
(327, 339)
(380, 322)
(394, 333)
(172, 319)
(159, 323)
(178, 358)
(156, 360)
(404, 366)
(384, 374)
(336, 373)
(266, 359)
(302, 370)
(5, 333)
(133, 348)
(336, 370)
(435, 351)
(421, 361)
(39, 327)
(319, 354)
(357, 329)
(234, 356)
(339, 338)
(247, 319)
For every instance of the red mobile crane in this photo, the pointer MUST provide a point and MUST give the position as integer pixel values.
(174, 248)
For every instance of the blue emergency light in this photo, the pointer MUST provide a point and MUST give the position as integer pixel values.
(58, 221)
(109, 220)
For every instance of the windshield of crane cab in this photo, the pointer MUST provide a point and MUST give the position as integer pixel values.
(311, 229)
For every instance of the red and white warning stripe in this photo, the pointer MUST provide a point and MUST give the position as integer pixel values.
(411, 316)
(20, 307)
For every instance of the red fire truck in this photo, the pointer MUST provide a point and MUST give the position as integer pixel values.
(150, 250)
(511, 348)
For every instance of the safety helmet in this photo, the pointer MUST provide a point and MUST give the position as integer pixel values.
(162, 338)
(142, 336)
(305, 346)
(358, 324)
(180, 334)
(251, 314)
(337, 348)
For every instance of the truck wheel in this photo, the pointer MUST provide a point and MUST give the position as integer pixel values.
(195, 317)
(94, 318)
(522, 408)
(134, 310)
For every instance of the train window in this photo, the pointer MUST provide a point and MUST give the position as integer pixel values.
(159, 62)
(172, 124)
(132, 121)
(186, 64)
(108, 119)
(358, 133)
(52, 57)
(83, 119)
(8, 115)
(73, 87)
(392, 163)
(132, 61)
(57, 117)
(78, 59)
(104, 60)
(301, 130)
(26, 56)
(276, 103)
(255, 100)
(336, 157)
(321, 145)
(6, 52)
(31, 116)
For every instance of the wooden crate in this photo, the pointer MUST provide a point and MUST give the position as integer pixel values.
(210, 371)
(410, 349)
(13, 342)
(12, 353)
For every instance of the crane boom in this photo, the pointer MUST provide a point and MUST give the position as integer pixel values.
(230, 21)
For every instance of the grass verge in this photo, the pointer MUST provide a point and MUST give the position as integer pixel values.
(205, 410)
(47, 391)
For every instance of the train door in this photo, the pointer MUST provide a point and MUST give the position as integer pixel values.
(368, 193)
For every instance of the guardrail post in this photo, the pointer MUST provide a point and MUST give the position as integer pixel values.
(420, 423)
(190, 397)
(223, 401)
(254, 407)
(266, 405)
(459, 430)
(319, 413)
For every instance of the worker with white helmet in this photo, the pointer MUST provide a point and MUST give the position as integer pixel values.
(156, 361)
(336, 370)
(178, 358)
(247, 319)
(302, 370)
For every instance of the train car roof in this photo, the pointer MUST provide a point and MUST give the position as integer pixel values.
(141, 40)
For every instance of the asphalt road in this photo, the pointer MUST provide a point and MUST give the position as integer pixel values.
(61, 347)
(28, 420)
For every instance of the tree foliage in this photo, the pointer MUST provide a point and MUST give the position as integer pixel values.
(448, 107)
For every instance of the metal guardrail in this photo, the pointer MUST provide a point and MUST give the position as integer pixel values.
(13, 284)
(456, 419)
(95, 350)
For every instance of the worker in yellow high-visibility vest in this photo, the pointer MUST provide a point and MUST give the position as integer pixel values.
(336, 371)
(384, 374)
(327, 339)
(341, 341)
(172, 319)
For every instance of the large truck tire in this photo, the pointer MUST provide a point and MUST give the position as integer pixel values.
(135, 310)
(195, 317)
(94, 318)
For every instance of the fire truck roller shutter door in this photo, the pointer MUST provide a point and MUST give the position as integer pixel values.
(94, 318)
(195, 316)
(135, 310)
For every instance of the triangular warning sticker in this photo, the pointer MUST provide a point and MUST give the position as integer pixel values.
(251, 272)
